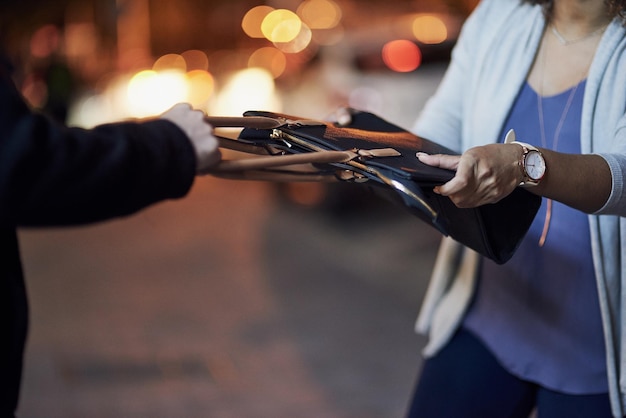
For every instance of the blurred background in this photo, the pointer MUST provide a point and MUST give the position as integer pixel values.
(245, 299)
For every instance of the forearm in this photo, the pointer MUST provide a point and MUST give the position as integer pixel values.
(488, 173)
(582, 182)
(57, 176)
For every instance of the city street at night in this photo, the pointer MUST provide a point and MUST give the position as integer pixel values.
(243, 299)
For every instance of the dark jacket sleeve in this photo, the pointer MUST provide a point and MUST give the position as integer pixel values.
(54, 175)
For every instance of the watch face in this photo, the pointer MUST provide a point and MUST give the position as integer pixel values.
(535, 165)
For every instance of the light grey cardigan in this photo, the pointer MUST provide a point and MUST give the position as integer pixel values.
(489, 65)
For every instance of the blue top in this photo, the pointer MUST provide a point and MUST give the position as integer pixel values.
(539, 313)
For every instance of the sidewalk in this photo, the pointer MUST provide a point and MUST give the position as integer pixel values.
(226, 304)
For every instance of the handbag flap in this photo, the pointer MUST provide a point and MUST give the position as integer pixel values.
(367, 131)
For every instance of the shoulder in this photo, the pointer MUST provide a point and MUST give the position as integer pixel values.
(501, 8)
(499, 28)
(492, 18)
(607, 70)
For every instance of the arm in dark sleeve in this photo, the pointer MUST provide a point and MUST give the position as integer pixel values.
(54, 175)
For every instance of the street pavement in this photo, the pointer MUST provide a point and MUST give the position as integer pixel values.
(229, 303)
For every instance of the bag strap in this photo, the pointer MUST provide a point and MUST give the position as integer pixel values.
(256, 122)
(273, 161)
(273, 158)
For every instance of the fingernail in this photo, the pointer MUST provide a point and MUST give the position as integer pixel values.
(344, 119)
(420, 154)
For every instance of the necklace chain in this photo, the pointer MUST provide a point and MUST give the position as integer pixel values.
(566, 42)
(557, 131)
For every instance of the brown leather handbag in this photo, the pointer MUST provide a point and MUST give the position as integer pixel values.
(373, 151)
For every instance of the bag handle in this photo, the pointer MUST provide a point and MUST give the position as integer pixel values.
(261, 167)
(256, 122)
(274, 161)
(283, 160)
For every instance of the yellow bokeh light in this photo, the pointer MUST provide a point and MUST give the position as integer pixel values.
(429, 29)
(320, 14)
(298, 44)
(200, 87)
(281, 25)
(170, 62)
(150, 92)
(248, 89)
(252, 20)
(270, 59)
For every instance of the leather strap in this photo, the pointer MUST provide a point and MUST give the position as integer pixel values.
(256, 122)
(271, 161)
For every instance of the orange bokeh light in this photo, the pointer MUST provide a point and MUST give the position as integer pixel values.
(402, 55)
(252, 20)
(195, 60)
(45, 41)
(320, 14)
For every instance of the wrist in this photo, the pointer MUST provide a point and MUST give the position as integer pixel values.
(532, 165)
(207, 155)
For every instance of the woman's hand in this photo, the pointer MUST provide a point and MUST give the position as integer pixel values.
(484, 174)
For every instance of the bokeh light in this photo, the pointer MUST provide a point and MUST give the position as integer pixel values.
(170, 62)
(45, 41)
(249, 89)
(195, 60)
(299, 43)
(281, 26)
(151, 93)
(81, 39)
(252, 20)
(320, 14)
(269, 58)
(402, 55)
(429, 29)
(200, 87)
